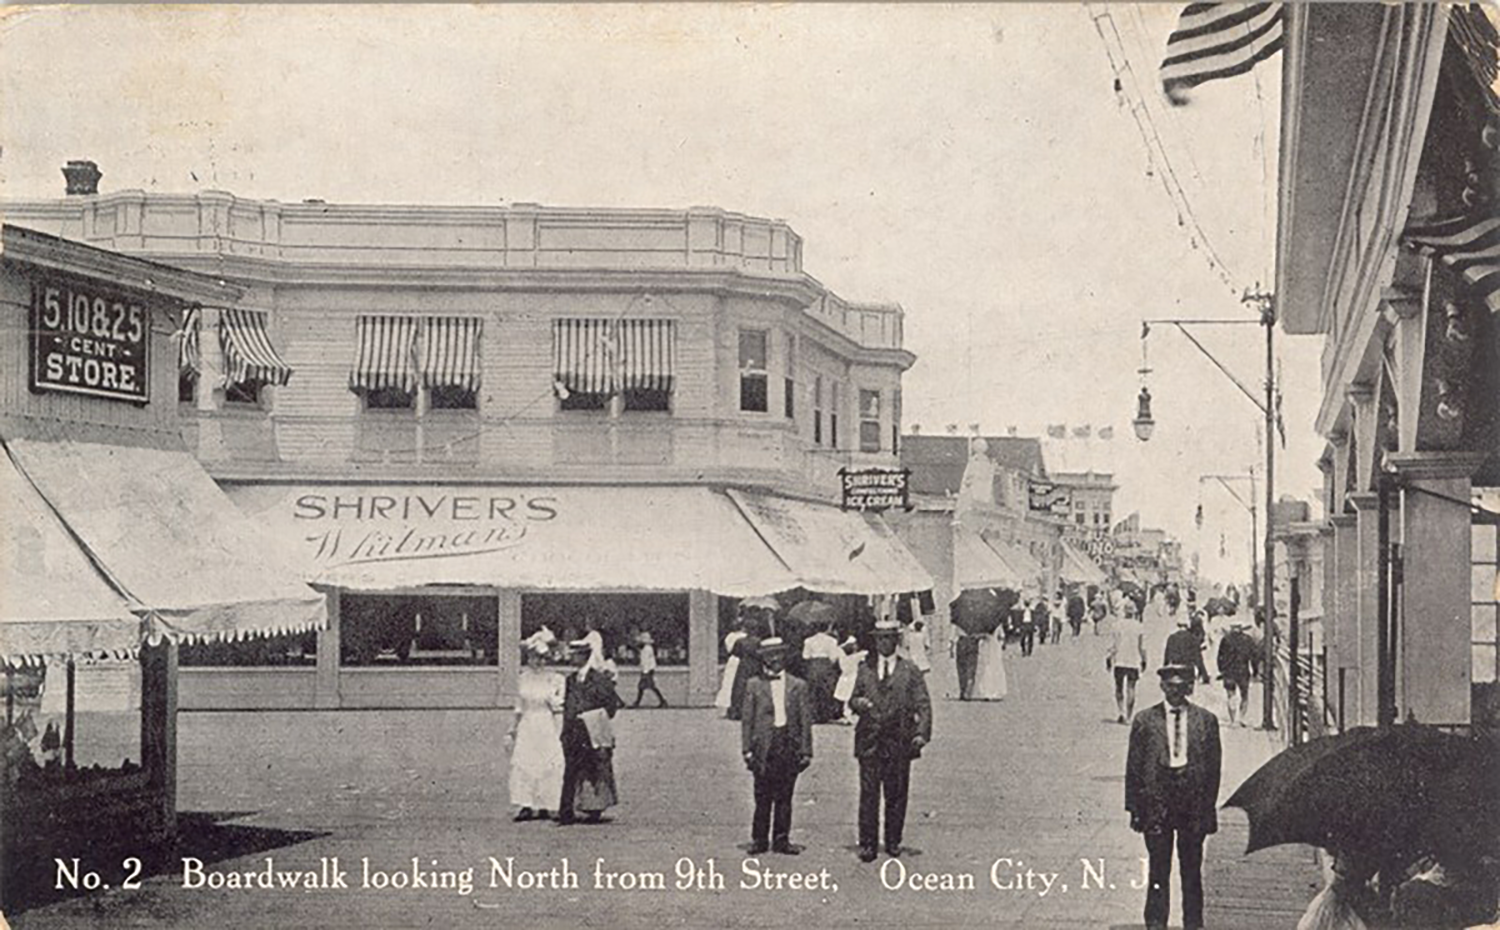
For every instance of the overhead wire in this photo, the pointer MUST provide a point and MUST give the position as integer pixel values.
(1129, 85)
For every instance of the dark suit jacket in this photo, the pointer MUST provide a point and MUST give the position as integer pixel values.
(1185, 648)
(901, 711)
(595, 691)
(758, 719)
(1156, 797)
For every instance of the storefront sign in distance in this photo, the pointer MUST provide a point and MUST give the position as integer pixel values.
(875, 488)
(88, 338)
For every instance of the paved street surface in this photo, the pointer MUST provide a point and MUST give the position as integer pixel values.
(1026, 787)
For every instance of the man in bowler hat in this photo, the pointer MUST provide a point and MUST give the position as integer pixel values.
(1172, 793)
(776, 738)
(895, 722)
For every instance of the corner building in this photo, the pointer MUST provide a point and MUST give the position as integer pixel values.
(472, 421)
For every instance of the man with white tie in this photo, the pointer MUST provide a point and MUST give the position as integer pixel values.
(895, 722)
(1172, 793)
(776, 739)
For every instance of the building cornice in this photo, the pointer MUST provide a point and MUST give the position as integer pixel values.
(30, 247)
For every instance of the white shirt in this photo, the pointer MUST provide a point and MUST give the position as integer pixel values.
(778, 701)
(887, 666)
(1177, 737)
(821, 646)
(648, 658)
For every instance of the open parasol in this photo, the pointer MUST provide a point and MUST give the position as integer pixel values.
(1383, 791)
(978, 611)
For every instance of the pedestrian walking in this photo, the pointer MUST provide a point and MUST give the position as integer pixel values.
(1098, 611)
(966, 656)
(1172, 774)
(1077, 610)
(1055, 616)
(821, 656)
(1236, 651)
(647, 681)
(1126, 660)
(853, 657)
(990, 683)
(776, 740)
(914, 645)
(589, 704)
(536, 756)
(725, 698)
(747, 650)
(895, 722)
(1185, 648)
(1025, 621)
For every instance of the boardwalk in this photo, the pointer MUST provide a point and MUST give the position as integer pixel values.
(1030, 788)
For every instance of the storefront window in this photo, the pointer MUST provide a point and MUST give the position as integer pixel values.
(290, 649)
(620, 618)
(390, 630)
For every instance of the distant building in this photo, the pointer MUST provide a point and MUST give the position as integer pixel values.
(473, 421)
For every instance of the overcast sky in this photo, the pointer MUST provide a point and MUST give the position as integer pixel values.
(974, 164)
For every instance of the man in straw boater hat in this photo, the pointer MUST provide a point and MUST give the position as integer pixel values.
(1172, 792)
(776, 738)
(895, 722)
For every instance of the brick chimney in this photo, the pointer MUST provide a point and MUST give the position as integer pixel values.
(83, 178)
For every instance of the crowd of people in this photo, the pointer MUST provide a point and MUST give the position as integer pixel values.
(781, 678)
(562, 741)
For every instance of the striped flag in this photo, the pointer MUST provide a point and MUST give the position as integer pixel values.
(1469, 246)
(1218, 40)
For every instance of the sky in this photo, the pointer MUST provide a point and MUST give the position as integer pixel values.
(973, 163)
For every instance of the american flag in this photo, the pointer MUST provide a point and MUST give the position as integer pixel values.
(1468, 245)
(1219, 40)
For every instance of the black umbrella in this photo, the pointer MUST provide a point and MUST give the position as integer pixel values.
(978, 611)
(1366, 789)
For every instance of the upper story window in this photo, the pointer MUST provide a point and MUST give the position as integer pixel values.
(417, 362)
(896, 421)
(615, 365)
(753, 371)
(818, 409)
(790, 392)
(835, 404)
(869, 421)
(249, 361)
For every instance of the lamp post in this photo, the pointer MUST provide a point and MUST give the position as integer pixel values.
(1145, 424)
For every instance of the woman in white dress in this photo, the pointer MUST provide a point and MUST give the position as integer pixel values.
(848, 673)
(989, 673)
(731, 669)
(536, 757)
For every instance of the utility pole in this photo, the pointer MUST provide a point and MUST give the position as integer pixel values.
(1268, 661)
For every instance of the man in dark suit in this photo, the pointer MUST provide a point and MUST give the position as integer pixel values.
(1185, 647)
(895, 722)
(1236, 650)
(1172, 793)
(776, 738)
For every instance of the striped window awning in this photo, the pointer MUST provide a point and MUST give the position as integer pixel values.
(385, 349)
(450, 351)
(401, 352)
(606, 356)
(248, 353)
